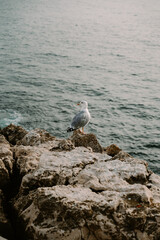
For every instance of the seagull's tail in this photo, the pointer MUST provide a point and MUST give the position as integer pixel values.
(69, 129)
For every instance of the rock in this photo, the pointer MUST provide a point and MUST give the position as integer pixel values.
(67, 212)
(81, 194)
(13, 133)
(64, 145)
(28, 157)
(5, 226)
(1, 238)
(72, 189)
(112, 150)
(155, 179)
(56, 168)
(4, 175)
(121, 155)
(72, 212)
(86, 140)
(6, 162)
(154, 186)
(35, 138)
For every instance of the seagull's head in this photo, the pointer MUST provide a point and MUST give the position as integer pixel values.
(83, 104)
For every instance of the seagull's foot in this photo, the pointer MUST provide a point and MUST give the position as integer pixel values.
(82, 133)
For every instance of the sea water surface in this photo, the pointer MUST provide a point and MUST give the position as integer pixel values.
(55, 53)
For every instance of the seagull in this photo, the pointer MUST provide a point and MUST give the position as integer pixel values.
(81, 119)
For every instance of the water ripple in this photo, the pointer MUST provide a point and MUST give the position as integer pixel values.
(54, 55)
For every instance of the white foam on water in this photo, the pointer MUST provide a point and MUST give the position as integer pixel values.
(9, 116)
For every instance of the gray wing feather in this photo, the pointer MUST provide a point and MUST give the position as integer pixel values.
(80, 120)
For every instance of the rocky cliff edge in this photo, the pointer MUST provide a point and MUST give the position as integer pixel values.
(74, 188)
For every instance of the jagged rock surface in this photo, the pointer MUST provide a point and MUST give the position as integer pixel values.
(6, 162)
(112, 150)
(86, 140)
(69, 192)
(35, 137)
(13, 133)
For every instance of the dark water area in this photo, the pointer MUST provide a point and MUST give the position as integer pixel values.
(55, 53)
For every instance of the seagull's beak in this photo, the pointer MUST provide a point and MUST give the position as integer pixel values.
(78, 104)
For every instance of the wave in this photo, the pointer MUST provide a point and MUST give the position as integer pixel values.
(9, 116)
(153, 145)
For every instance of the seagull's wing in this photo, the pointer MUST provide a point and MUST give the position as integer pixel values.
(80, 120)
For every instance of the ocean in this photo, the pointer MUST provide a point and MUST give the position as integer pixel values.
(56, 53)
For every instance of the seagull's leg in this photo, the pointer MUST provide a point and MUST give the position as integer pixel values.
(83, 130)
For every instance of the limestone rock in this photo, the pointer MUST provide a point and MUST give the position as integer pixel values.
(64, 145)
(67, 212)
(112, 150)
(4, 175)
(28, 157)
(72, 213)
(121, 155)
(73, 189)
(85, 195)
(56, 168)
(5, 226)
(86, 140)
(2, 238)
(35, 138)
(154, 186)
(6, 162)
(13, 133)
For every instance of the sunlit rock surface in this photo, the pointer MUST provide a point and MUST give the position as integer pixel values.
(82, 193)
(35, 137)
